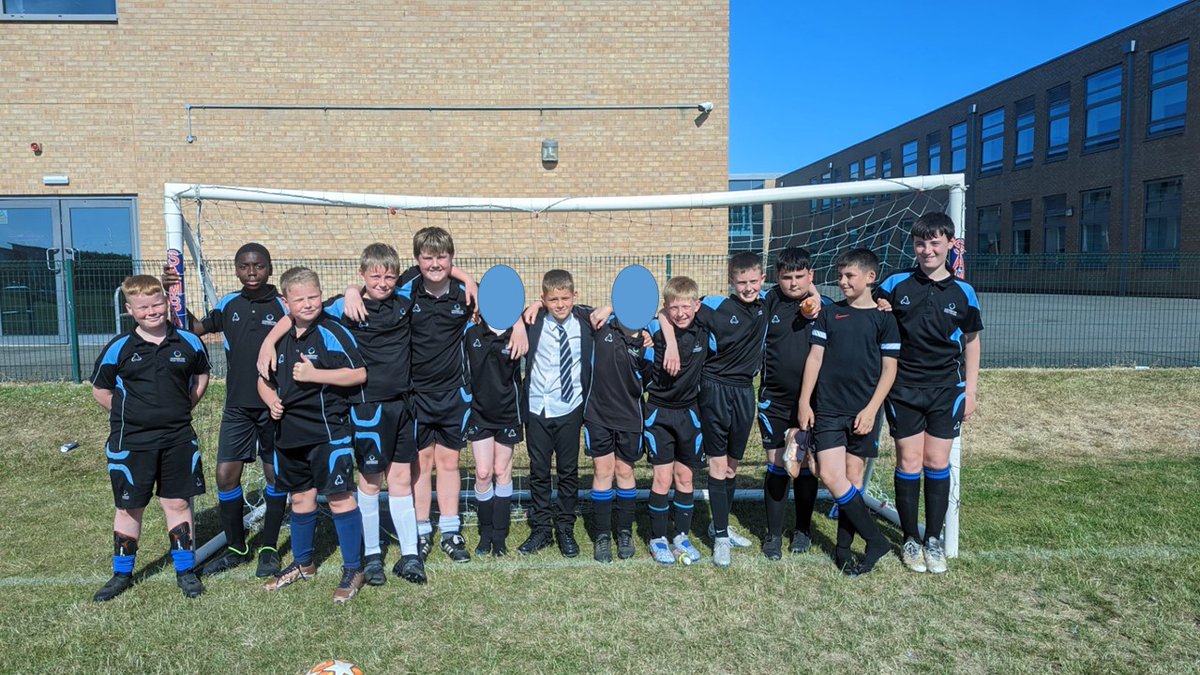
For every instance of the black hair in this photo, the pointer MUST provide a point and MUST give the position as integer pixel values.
(792, 259)
(932, 224)
(253, 247)
(862, 258)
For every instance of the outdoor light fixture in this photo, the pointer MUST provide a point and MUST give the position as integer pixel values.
(56, 180)
(550, 151)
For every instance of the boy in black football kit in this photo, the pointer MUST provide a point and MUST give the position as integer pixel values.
(851, 366)
(612, 433)
(148, 380)
(935, 385)
(495, 426)
(736, 325)
(244, 319)
(672, 421)
(319, 373)
(790, 308)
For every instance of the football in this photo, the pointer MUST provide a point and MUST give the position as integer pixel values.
(810, 307)
(335, 667)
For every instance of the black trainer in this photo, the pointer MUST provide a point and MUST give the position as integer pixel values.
(539, 539)
(772, 547)
(411, 569)
(566, 543)
(499, 548)
(602, 548)
(484, 547)
(189, 583)
(625, 549)
(373, 572)
(801, 542)
(456, 547)
(424, 546)
(225, 562)
(269, 563)
(118, 584)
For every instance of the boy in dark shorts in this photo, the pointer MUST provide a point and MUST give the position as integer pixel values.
(785, 351)
(148, 380)
(672, 421)
(244, 319)
(851, 366)
(612, 433)
(495, 426)
(936, 383)
(319, 373)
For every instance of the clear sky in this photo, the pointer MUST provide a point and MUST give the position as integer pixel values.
(809, 78)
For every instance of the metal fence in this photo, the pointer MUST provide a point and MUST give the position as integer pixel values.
(1039, 311)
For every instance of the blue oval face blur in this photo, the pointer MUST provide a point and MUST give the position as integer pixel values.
(635, 296)
(501, 297)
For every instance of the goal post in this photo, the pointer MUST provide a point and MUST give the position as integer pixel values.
(870, 213)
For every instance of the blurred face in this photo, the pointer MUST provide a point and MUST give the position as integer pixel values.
(304, 303)
(435, 267)
(380, 282)
(559, 302)
(149, 311)
(746, 285)
(795, 284)
(854, 281)
(253, 270)
(931, 253)
(681, 312)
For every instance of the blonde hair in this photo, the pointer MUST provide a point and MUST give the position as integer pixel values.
(379, 255)
(556, 280)
(680, 288)
(434, 241)
(298, 276)
(141, 284)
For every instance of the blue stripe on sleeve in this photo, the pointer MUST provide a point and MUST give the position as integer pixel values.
(226, 300)
(972, 298)
(893, 281)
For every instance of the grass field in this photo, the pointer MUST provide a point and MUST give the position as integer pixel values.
(1079, 554)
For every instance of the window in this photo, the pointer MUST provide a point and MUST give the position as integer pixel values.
(910, 158)
(1054, 224)
(869, 174)
(1103, 128)
(60, 9)
(1024, 154)
(934, 141)
(989, 230)
(885, 163)
(745, 228)
(1022, 223)
(1058, 121)
(1164, 202)
(958, 148)
(826, 178)
(814, 204)
(1093, 220)
(991, 141)
(1168, 89)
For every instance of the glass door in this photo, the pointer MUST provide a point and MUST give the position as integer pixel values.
(32, 293)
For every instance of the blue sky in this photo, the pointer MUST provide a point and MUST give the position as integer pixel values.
(809, 78)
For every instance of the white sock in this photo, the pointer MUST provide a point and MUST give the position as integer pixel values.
(504, 489)
(424, 527)
(404, 517)
(484, 496)
(449, 525)
(369, 506)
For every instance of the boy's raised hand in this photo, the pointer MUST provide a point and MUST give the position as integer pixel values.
(169, 276)
(883, 305)
(518, 342)
(600, 315)
(529, 316)
(304, 370)
(472, 290)
(353, 306)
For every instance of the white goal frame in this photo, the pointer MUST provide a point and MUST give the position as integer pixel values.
(180, 238)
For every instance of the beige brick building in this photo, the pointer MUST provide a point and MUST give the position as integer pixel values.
(106, 102)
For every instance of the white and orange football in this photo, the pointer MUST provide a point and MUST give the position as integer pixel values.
(335, 667)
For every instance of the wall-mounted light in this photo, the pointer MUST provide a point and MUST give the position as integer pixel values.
(60, 179)
(1069, 212)
(36, 148)
(549, 151)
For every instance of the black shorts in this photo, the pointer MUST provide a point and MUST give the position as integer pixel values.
(726, 416)
(442, 418)
(384, 432)
(775, 417)
(175, 469)
(328, 468)
(832, 431)
(246, 433)
(936, 411)
(673, 435)
(507, 435)
(599, 441)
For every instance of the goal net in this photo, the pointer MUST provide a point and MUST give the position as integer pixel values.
(592, 237)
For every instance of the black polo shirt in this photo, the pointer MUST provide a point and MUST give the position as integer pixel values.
(495, 378)
(934, 318)
(676, 391)
(152, 388)
(615, 401)
(735, 346)
(855, 342)
(438, 324)
(243, 320)
(786, 347)
(383, 340)
(315, 413)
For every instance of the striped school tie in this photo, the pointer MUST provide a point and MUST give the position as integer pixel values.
(564, 364)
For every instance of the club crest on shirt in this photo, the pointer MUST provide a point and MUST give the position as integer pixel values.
(236, 317)
(416, 308)
(177, 357)
(775, 318)
(905, 301)
(698, 348)
(477, 344)
(951, 310)
(457, 310)
(733, 321)
(136, 358)
(268, 320)
(608, 338)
